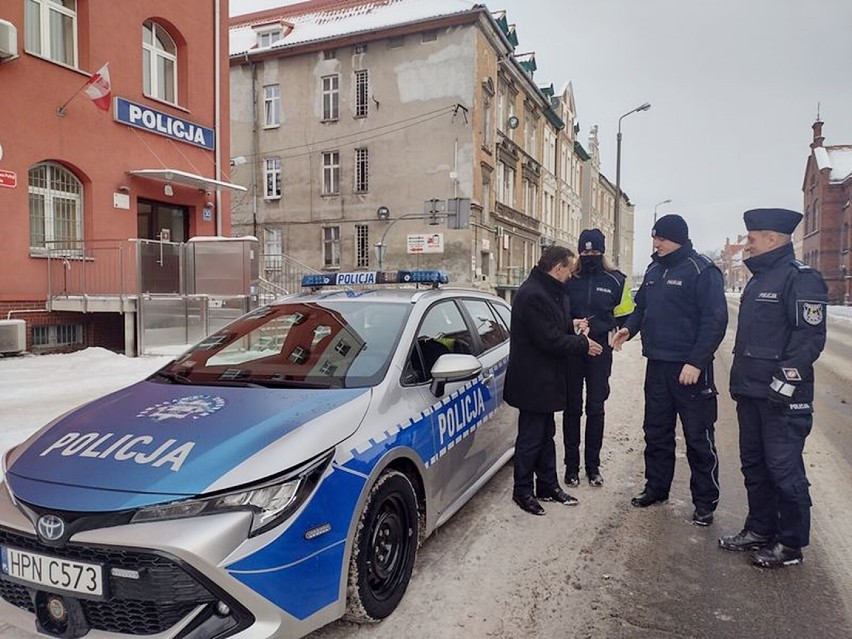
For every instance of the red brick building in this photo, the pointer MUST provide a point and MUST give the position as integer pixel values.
(76, 182)
(825, 230)
(731, 263)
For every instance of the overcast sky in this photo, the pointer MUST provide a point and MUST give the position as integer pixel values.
(734, 87)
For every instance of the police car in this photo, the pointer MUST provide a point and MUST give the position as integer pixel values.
(277, 476)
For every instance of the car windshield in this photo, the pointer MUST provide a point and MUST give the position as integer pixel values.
(317, 344)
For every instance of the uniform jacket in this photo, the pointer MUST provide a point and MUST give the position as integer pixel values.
(595, 295)
(681, 308)
(542, 339)
(781, 327)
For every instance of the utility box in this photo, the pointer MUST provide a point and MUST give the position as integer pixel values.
(222, 266)
(8, 41)
(13, 336)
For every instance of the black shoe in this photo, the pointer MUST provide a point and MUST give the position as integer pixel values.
(528, 503)
(572, 480)
(777, 556)
(702, 519)
(643, 500)
(559, 496)
(595, 479)
(744, 540)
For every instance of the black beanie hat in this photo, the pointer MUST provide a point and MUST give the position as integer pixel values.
(671, 227)
(591, 240)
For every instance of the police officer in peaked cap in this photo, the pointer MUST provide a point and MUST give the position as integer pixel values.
(780, 334)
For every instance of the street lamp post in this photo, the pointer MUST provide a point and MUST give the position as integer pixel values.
(666, 201)
(617, 220)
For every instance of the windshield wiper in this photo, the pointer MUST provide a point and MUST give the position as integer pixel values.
(174, 378)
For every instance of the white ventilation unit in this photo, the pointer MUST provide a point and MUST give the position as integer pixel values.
(8, 41)
(13, 336)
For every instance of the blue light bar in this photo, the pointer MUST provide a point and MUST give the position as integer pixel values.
(367, 278)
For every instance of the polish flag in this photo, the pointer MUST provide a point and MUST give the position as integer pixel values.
(98, 88)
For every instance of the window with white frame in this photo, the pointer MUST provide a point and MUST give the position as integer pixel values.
(159, 63)
(272, 177)
(331, 173)
(331, 246)
(51, 28)
(362, 93)
(266, 37)
(272, 252)
(506, 184)
(57, 334)
(271, 105)
(362, 170)
(330, 97)
(362, 246)
(56, 208)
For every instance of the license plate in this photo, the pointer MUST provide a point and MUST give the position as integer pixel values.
(52, 572)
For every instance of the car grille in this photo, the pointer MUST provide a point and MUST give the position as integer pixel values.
(162, 596)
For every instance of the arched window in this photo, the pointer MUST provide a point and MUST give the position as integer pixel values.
(56, 208)
(159, 63)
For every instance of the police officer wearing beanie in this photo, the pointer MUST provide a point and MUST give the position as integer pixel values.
(682, 313)
(780, 334)
(598, 294)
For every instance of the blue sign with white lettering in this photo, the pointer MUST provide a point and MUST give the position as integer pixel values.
(149, 119)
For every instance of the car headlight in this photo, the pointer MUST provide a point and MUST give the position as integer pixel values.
(269, 502)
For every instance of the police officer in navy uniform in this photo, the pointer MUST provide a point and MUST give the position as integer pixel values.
(682, 313)
(543, 336)
(598, 294)
(780, 334)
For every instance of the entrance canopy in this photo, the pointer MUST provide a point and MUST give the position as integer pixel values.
(175, 176)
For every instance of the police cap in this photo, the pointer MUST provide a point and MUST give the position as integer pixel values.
(778, 220)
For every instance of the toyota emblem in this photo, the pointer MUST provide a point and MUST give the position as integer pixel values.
(51, 527)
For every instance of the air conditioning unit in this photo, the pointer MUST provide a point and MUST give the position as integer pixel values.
(13, 336)
(8, 41)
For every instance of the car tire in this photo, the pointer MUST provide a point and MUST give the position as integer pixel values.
(384, 549)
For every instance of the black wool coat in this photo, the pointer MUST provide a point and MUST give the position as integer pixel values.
(542, 340)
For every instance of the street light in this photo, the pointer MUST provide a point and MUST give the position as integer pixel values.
(617, 220)
(668, 201)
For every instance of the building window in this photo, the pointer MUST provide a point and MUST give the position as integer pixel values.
(360, 48)
(486, 122)
(159, 63)
(56, 208)
(266, 38)
(272, 252)
(330, 97)
(329, 54)
(331, 173)
(57, 334)
(51, 27)
(362, 246)
(272, 105)
(331, 246)
(505, 184)
(362, 170)
(272, 174)
(430, 36)
(362, 93)
(396, 42)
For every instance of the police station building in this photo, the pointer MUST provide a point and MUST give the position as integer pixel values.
(114, 150)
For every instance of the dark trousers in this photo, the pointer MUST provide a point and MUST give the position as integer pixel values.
(535, 453)
(666, 399)
(593, 373)
(771, 445)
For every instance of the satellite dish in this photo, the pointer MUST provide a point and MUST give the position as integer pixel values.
(514, 122)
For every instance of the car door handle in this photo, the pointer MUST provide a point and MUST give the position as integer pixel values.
(489, 377)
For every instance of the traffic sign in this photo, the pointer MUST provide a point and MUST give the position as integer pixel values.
(9, 179)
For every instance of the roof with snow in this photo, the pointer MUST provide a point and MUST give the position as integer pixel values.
(318, 20)
(836, 158)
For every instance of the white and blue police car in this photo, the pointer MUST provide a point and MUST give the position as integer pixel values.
(275, 477)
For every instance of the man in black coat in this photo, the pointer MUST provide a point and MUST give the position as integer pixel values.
(682, 313)
(543, 337)
(780, 334)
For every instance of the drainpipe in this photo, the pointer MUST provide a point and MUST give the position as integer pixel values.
(217, 124)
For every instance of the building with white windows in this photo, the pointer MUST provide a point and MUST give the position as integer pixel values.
(353, 115)
(95, 196)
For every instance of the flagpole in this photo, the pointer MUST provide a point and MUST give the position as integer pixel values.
(60, 111)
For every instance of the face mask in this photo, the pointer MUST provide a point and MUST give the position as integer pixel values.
(591, 263)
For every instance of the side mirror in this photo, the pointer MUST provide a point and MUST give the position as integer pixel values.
(453, 367)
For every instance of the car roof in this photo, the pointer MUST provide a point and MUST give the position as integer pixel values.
(385, 294)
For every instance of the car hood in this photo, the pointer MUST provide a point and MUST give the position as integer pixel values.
(155, 442)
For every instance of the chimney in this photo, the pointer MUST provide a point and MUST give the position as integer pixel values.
(818, 137)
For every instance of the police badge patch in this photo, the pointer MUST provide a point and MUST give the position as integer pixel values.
(812, 313)
(791, 374)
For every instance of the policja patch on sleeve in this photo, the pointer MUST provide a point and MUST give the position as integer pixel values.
(812, 312)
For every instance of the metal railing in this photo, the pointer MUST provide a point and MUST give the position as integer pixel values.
(92, 268)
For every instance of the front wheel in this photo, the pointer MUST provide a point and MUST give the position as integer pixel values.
(384, 549)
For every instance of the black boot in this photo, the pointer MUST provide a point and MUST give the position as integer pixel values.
(777, 556)
(744, 540)
(529, 504)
